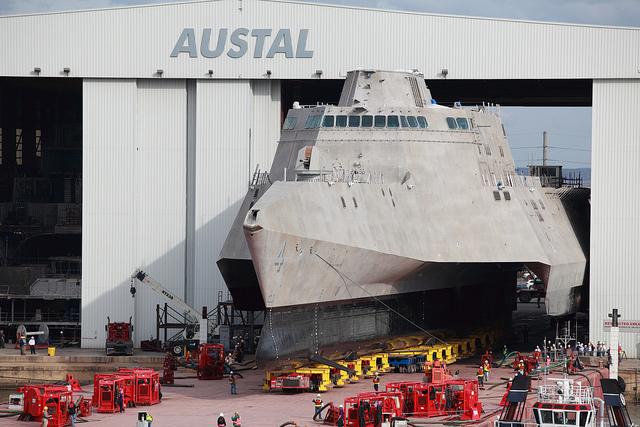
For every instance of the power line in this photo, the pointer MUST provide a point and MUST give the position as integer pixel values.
(539, 147)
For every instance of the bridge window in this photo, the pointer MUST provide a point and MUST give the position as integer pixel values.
(422, 122)
(462, 123)
(392, 122)
(451, 122)
(413, 122)
(380, 121)
(341, 121)
(290, 123)
(367, 121)
(354, 121)
(403, 122)
(570, 418)
(327, 121)
(313, 122)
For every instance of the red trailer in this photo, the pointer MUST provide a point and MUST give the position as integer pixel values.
(362, 410)
(128, 386)
(147, 387)
(107, 386)
(451, 397)
(96, 386)
(55, 398)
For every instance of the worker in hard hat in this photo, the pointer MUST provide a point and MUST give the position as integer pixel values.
(376, 382)
(32, 345)
(149, 419)
(221, 421)
(45, 416)
(480, 376)
(235, 419)
(341, 416)
(317, 404)
(232, 383)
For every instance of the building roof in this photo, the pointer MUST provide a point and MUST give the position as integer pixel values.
(137, 41)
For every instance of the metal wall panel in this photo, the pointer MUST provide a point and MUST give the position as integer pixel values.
(224, 118)
(109, 168)
(265, 132)
(137, 41)
(160, 199)
(615, 208)
(134, 176)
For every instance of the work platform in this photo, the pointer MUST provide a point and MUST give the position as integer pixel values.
(16, 370)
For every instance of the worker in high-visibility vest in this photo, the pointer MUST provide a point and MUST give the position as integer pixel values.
(235, 419)
(480, 375)
(149, 419)
(317, 404)
(376, 382)
(486, 369)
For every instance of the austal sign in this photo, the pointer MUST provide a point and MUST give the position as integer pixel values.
(235, 44)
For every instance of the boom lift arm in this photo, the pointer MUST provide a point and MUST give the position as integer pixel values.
(190, 312)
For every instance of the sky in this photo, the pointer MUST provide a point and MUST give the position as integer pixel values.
(569, 129)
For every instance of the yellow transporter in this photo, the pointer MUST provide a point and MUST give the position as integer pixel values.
(356, 365)
(368, 365)
(320, 376)
(462, 348)
(382, 362)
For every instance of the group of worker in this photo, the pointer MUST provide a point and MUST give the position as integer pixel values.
(22, 343)
(235, 420)
(483, 373)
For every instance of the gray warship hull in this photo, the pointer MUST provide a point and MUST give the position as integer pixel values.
(385, 197)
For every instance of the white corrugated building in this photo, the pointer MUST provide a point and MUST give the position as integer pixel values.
(180, 102)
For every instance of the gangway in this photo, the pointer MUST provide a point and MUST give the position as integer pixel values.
(513, 412)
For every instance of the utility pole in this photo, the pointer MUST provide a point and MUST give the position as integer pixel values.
(545, 148)
(613, 344)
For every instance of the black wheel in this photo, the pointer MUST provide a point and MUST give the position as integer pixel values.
(177, 350)
(524, 296)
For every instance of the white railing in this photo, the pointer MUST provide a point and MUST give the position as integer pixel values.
(564, 391)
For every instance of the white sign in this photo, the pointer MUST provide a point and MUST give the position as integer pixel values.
(625, 326)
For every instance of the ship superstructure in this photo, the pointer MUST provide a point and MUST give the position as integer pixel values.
(390, 195)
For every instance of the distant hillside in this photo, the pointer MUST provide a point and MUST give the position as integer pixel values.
(585, 173)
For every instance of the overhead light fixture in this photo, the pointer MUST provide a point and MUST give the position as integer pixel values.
(210, 73)
(37, 70)
(66, 70)
(444, 72)
(159, 72)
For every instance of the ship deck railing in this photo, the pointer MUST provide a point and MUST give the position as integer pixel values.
(565, 393)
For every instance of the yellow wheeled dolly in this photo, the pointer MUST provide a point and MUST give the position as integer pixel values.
(320, 375)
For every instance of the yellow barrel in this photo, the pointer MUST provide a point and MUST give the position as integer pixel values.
(51, 351)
